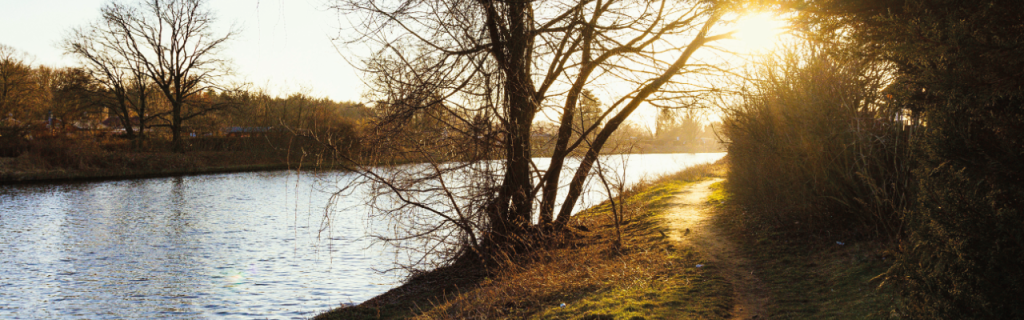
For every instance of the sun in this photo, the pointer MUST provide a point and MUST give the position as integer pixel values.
(758, 32)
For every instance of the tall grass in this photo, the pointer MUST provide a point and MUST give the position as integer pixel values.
(815, 146)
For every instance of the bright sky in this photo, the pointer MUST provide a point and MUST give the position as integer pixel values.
(284, 44)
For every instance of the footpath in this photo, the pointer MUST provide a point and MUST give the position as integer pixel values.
(689, 221)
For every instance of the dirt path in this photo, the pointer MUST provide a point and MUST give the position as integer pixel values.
(690, 225)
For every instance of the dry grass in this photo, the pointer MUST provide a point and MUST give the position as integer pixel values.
(650, 278)
(647, 278)
(104, 158)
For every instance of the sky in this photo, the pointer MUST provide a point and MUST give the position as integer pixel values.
(284, 45)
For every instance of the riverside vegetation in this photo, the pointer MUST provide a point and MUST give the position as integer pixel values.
(32, 168)
(117, 158)
(650, 276)
(586, 271)
(114, 157)
(896, 122)
(874, 166)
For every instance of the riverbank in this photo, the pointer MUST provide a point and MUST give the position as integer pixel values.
(651, 276)
(29, 168)
(681, 258)
(58, 159)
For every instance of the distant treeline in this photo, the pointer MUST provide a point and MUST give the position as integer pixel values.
(58, 101)
(65, 119)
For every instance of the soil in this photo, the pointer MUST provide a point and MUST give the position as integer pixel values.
(689, 221)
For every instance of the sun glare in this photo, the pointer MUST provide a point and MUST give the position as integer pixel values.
(759, 32)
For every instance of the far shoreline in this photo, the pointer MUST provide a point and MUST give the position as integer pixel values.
(63, 176)
(69, 175)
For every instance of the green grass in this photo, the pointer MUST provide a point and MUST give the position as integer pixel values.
(809, 278)
(692, 293)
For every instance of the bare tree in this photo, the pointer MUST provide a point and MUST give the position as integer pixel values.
(16, 83)
(109, 60)
(484, 70)
(173, 44)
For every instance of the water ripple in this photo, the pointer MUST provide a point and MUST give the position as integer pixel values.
(218, 246)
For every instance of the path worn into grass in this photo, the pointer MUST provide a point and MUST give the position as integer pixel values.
(689, 222)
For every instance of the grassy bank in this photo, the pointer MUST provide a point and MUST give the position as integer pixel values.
(652, 277)
(808, 277)
(649, 278)
(84, 159)
(154, 164)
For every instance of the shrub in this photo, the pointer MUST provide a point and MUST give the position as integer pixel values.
(815, 148)
(960, 65)
(66, 153)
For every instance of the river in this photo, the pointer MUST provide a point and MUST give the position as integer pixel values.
(240, 245)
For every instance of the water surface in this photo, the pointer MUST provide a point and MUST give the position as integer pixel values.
(241, 245)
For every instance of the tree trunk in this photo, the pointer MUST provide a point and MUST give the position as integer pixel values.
(513, 53)
(576, 185)
(176, 139)
(140, 108)
(125, 115)
(551, 177)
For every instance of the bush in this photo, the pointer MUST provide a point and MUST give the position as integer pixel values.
(964, 254)
(12, 141)
(65, 153)
(816, 149)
